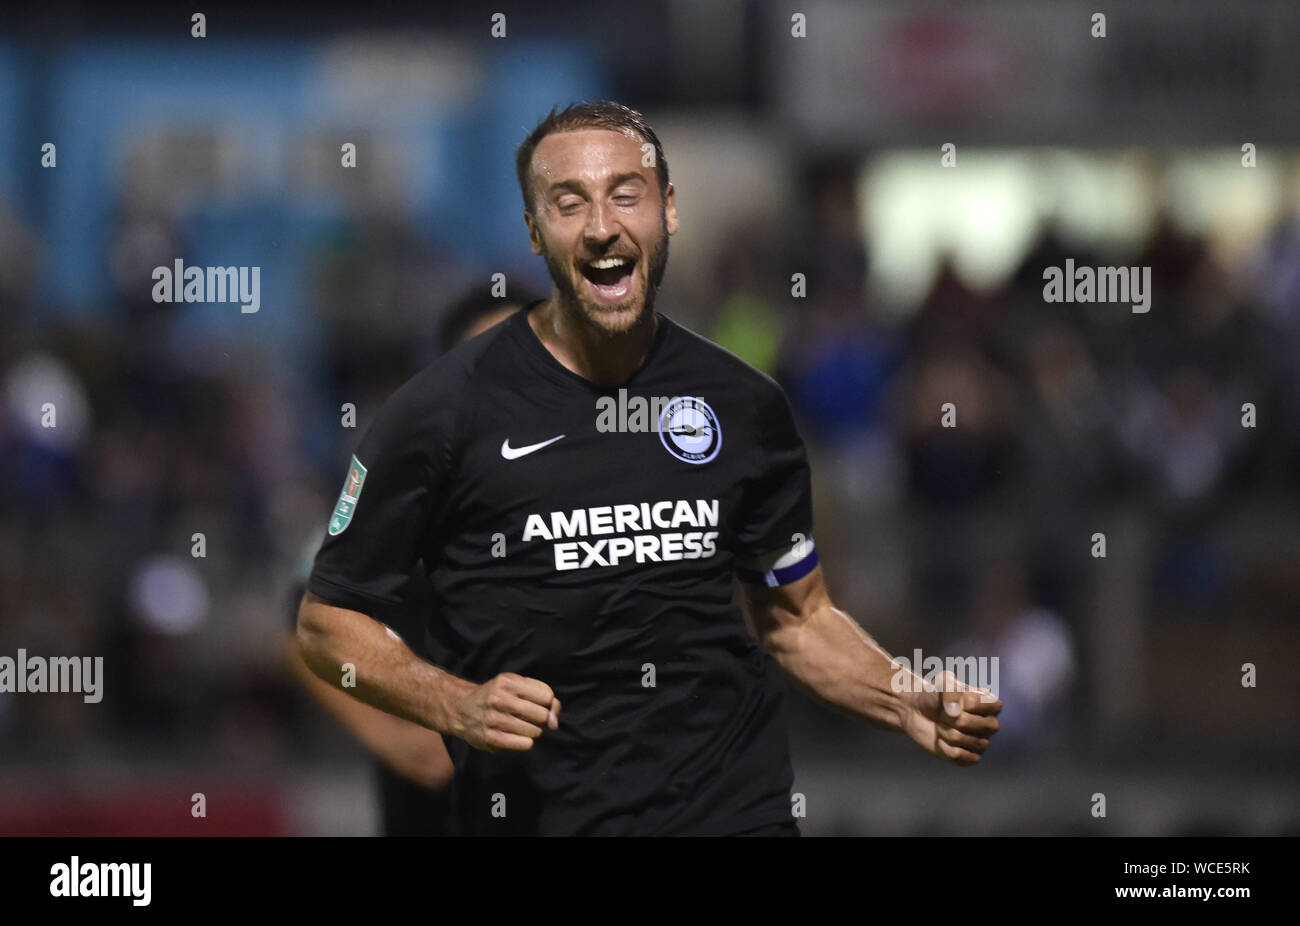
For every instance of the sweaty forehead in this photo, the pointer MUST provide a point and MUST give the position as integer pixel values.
(585, 155)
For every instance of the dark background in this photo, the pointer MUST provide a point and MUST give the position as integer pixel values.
(817, 156)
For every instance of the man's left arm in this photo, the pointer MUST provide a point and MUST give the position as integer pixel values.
(826, 651)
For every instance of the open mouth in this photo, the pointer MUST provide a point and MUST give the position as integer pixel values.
(609, 278)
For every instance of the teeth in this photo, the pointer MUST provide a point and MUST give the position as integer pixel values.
(607, 263)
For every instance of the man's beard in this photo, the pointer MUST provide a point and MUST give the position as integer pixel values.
(636, 310)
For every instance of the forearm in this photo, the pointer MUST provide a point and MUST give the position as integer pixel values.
(822, 648)
(840, 663)
(388, 675)
(409, 749)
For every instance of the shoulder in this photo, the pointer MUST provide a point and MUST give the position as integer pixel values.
(749, 388)
(757, 397)
(428, 404)
(756, 384)
(447, 376)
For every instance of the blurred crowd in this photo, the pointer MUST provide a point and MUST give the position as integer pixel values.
(1172, 434)
(163, 519)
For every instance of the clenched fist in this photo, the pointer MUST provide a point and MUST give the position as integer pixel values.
(952, 720)
(507, 713)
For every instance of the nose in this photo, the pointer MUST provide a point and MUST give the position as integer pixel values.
(601, 230)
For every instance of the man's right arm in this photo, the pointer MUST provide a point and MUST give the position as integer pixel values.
(506, 713)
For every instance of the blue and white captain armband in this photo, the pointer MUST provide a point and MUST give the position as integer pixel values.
(789, 564)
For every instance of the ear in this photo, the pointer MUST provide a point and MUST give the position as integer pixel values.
(670, 209)
(534, 233)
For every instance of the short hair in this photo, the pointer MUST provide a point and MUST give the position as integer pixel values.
(603, 114)
(474, 304)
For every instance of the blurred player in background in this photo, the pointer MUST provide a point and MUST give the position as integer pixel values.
(582, 549)
(413, 771)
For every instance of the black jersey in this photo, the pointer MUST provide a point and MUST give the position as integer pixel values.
(587, 537)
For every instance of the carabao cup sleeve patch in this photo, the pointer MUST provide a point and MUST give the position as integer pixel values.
(374, 534)
(348, 497)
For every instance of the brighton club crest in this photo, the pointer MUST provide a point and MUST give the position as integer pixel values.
(689, 430)
(347, 503)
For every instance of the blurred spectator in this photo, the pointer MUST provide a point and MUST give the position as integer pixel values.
(1036, 657)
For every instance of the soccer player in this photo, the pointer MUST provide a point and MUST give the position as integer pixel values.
(413, 770)
(582, 549)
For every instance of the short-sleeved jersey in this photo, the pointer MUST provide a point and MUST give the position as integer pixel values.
(587, 536)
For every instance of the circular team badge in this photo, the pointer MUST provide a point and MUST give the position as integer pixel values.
(689, 430)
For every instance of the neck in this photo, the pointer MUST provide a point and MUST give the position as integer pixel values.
(602, 357)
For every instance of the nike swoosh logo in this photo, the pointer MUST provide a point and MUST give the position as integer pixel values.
(514, 453)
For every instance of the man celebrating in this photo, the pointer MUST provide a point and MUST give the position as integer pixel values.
(590, 568)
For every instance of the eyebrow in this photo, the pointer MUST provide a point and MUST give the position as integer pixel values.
(576, 186)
